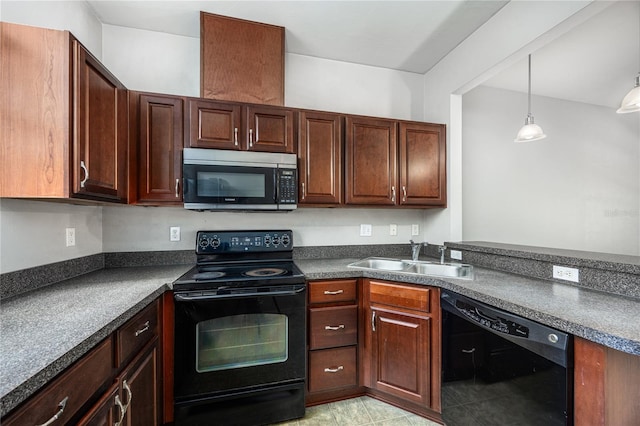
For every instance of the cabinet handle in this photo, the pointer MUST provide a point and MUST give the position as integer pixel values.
(303, 191)
(235, 136)
(250, 137)
(373, 320)
(86, 174)
(332, 293)
(393, 194)
(177, 188)
(334, 370)
(122, 411)
(334, 328)
(404, 193)
(144, 328)
(126, 387)
(61, 405)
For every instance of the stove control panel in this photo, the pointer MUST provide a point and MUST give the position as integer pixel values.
(208, 242)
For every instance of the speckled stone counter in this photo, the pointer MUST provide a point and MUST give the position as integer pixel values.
(44, 331)
(608, 319)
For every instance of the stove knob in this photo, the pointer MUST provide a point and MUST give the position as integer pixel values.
(276, 240)
(204, 242)
(285, 240)
(215, 242)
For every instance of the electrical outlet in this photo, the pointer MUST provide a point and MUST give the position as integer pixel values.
(71, 237)
(567, 274)
(456, 254)
(365, 230)
(393, 229)
(415, 229)
(174, 233)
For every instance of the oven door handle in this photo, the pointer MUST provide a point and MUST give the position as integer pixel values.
(188, 297)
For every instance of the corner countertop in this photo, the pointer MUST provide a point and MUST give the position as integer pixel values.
(42, 332)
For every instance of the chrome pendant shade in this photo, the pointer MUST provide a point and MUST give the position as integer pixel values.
(530, 131)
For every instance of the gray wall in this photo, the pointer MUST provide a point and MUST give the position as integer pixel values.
(577, 189)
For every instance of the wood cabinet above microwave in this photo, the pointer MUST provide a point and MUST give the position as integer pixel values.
(236, 126)
(64, 125)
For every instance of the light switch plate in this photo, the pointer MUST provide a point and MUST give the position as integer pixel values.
(415, 229)
(393, 229)
(365, 230)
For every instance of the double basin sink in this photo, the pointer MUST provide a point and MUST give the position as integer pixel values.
(418, 267)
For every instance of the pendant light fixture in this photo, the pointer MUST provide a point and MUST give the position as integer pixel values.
(530, 131)
(631, 102)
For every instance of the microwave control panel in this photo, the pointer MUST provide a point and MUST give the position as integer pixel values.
(287, 186)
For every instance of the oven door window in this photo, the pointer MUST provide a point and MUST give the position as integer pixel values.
(241, 341)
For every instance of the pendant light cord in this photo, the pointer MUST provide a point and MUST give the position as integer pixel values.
(529, 98)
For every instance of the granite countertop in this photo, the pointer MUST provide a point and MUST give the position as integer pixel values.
(608, 319)
(44, 331)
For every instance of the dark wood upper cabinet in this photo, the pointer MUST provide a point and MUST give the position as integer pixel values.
(100, 130)
(235, 126)
(320, 147)
(68, 119)
(422, 164)
(157, 157)
(241, 60)
(371, 160)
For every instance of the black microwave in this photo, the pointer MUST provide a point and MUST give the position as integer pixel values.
(239, 180)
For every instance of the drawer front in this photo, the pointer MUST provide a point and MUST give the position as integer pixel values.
(332, 291)
(332, 369)
(398, 295)
(75, 387)
(133, 335)
(332, 327)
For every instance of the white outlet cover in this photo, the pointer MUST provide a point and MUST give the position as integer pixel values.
(365, 230)
(174, 233)
(71, 237)
(415, 229)
(456, 254)
(393, 229)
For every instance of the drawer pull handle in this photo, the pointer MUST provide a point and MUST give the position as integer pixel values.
(329, 292)
(61, 406)
(373, 321)
(122, 410)
(334, 370)
(235, 136)
(334, 328)
(126, 387)
(86, 174)
(177, 188)
(143, 329)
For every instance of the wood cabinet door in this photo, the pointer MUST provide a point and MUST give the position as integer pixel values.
(215, 125)
(371, 159)
(107, 410)
(140, 389)
(401, 355)
(422, 164)
(270, 129)
(320, 146)
(100, 130)
(241, 60)
(160, 150)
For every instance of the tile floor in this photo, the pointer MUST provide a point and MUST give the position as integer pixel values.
(358, 411)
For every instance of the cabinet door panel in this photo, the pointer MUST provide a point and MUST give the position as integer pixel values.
(422, 164)
(101, 126)
(270, 129)
(140, 389)
(371, 173)
(401, 356)
(215, 125)
(106, 412)
(320, 146)
(160, 145)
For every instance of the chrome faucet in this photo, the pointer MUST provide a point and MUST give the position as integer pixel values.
(415, 249)
(442, 249)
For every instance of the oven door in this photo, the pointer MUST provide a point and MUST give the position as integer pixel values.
(232, 342)
(229, 187)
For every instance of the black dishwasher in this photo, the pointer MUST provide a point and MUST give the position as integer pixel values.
(501, 369)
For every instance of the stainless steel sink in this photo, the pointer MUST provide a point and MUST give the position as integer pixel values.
(418, 267)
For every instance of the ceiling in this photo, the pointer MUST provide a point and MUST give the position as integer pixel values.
(402, 35)
(595, 62)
